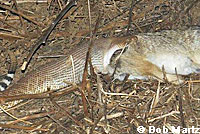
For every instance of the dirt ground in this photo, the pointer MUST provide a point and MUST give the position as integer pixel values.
(146, 103)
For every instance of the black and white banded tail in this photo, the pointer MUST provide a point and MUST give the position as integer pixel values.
(7, 79)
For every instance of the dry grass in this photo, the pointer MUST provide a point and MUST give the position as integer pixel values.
(113, 107)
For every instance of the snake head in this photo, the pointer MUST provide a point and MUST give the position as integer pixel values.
(116, 44)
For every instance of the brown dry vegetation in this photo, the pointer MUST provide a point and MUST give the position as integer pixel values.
(125, 105)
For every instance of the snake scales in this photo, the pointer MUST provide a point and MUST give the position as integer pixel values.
(70, 68)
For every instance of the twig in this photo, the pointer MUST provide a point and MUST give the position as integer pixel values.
(130, 16)
(20, 14)
(88, 60)
(34, 116)
(180, 99)
(22, 127)
(10, 37)
(4, 99)
(20, 17)
(14, 116)
(163, 116)
(68, 114)
(42, 40)
(95, 124)
(58, 122)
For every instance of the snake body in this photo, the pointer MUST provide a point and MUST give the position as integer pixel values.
(70, 69)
